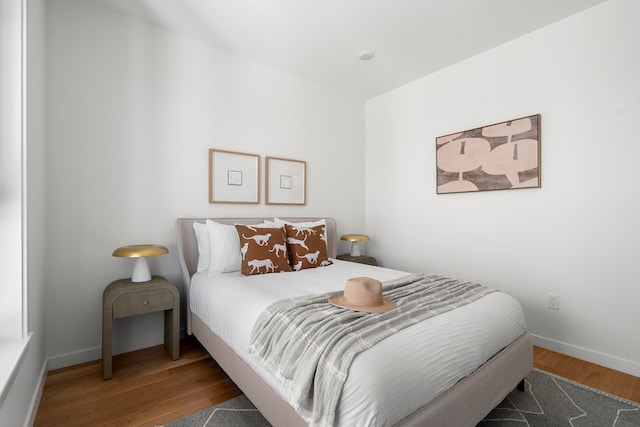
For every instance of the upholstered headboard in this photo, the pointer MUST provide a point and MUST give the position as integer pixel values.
(188, 246)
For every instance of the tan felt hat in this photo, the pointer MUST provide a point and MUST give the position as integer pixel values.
(363, 294)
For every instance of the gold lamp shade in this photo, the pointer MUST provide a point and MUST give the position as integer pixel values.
(141, 271)
(135, 251)
(354, 239)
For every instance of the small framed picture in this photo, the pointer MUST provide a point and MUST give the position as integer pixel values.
(233, 177)
(286, 181)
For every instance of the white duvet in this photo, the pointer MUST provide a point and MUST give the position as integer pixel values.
(392, 379)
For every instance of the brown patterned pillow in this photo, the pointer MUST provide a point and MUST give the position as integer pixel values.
(264, 250)
(307, 246)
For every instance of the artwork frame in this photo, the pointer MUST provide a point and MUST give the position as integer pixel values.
(286, 181)
(500, 156)
(234, 177)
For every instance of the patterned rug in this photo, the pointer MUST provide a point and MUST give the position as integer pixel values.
(237, 412)
(548, 401)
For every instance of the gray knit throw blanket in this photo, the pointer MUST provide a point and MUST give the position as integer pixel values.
(309, 344)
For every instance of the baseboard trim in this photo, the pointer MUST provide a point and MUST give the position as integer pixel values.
(37, 395)
(70, 359)
(95, 353)
(606, 360)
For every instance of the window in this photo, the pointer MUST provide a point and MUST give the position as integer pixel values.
(13, 331)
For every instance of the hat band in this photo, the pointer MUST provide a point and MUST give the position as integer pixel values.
(369, 300)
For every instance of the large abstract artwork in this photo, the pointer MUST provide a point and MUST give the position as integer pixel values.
(496, 157)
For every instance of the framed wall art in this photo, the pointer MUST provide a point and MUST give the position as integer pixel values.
(496, 157)
(233, 177)
(286, 181)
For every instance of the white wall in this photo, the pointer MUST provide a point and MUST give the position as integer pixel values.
(131, 113)
(578, 235)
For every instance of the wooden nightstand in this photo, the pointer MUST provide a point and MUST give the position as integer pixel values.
(362, 259)
(124, 298)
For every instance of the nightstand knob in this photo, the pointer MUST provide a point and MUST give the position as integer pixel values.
(146, 302)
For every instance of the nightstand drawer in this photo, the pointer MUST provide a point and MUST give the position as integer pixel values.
(142, 302)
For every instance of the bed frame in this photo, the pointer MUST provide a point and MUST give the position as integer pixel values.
(464, 404)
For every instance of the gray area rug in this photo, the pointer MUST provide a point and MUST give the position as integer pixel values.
(548, 401)
(237, 412)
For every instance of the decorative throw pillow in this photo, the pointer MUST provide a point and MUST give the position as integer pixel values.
(264, 250)
(202, 237)
(224, 256)
(307, 246)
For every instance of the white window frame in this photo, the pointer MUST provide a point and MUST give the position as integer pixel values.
(14, 336)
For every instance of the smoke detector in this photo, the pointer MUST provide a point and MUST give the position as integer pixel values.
(366, 55)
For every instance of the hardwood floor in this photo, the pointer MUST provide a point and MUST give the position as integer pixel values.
(149, 389)
(590, 374)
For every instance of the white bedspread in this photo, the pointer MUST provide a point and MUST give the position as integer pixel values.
(394, 378)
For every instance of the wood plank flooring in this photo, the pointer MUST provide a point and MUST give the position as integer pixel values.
(590, 374)
(149, 389)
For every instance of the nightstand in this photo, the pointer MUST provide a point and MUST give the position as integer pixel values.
(362, 259)
(124, 298)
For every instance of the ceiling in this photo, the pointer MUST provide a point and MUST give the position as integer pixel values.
(320, 40)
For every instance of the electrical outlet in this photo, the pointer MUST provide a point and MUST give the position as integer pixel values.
(553, 301)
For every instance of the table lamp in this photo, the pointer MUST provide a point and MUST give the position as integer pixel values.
(354, 239)
(141, 269)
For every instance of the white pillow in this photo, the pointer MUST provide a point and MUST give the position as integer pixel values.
(224, 248)
(279, 222)
(202, 237)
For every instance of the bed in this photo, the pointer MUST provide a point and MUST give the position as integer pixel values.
(459, 393)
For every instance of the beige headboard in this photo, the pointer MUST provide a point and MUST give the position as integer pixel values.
(188, 246)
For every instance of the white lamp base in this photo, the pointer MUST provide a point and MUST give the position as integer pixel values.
(141, 271)
(355, 249)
